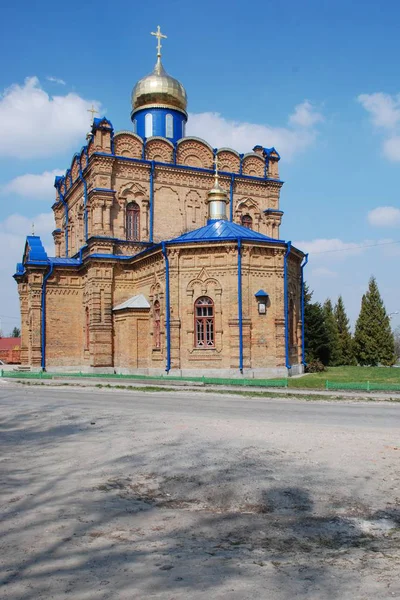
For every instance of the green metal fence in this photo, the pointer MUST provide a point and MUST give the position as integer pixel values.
(151, 379)
(366, 386)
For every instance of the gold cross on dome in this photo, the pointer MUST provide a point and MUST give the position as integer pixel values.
(216, 167)
(93, 111)
(159, 35)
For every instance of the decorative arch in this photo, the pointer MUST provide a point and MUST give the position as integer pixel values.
(228, 160)
(128, 144)
(160, 149)
(194, 152)
(249, 207)
(253, 164)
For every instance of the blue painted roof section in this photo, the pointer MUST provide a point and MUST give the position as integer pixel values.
(261, 294)
(35, 250)
(223, 230)
(66, 262)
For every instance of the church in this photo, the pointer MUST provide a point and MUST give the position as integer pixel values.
(168, 257)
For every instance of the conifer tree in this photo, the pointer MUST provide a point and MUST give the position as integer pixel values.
(316, 339)
(345, 340)
(373, 338)
(334, 358)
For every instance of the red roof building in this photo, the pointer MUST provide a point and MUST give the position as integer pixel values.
(10, 350)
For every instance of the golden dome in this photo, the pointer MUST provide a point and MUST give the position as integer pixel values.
(159, 90)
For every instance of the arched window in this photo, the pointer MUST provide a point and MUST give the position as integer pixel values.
(134, 126)
(169, 126)
(204, 329)
(87, 332)
(247, 221)
(183, 128)
(132, 221)
(148, 125)
(157, 324)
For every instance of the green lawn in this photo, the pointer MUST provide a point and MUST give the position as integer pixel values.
(384, 375)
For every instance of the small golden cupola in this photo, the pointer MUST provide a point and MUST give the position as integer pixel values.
(217, 199)
(159, 102)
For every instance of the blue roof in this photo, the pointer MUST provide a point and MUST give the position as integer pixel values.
(35, 251)
(220, 230)
(66, 262)
(261, 294)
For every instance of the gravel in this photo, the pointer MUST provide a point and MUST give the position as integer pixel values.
(125, 495)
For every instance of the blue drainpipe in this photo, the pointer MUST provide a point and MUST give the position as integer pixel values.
(151, 207)
(286, 303)
(167, 308)
(231, 198)
(240, 305)
(303, 348)
(85, 196)
(44, 285)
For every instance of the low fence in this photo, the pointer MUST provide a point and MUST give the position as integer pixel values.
(281, 383)
(365, 386)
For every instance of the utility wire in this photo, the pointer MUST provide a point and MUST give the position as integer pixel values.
(355, 247)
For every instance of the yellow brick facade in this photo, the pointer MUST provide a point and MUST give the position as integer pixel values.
(97, 268)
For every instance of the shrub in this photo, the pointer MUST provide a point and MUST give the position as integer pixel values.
(315, 366)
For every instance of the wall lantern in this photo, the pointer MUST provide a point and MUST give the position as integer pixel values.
(262, 300)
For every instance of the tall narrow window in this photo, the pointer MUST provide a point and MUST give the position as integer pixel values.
(292, 320)
(247, 221)
(148, 125)
(132, 221)
(87, 332)
(204, 323)
(157, 325)
(134, 122)
(183, 128)
(169, 126)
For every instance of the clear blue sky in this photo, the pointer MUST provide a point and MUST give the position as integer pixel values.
(251, 63)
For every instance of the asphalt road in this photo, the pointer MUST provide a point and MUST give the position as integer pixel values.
(125, 495)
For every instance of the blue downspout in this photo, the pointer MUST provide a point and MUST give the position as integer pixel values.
(286, 304)
(231, 198)
(44, 315)
(240, 305)
(66, 220)
(85, 199)
(151, 201)
(167, 308)
(303, 348)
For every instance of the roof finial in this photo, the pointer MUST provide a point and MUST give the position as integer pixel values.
(159, 35)
(93, 111)
(33, 228)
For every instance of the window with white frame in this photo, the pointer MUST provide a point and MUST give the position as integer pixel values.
(148, 125)
(169, 126)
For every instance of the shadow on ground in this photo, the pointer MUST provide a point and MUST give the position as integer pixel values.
(173, 520)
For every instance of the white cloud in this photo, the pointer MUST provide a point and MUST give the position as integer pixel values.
(384, 111)
(33, 186)
(244, 136)
(305, 115)
(34, 124)
(323, 247)
(383, 108)
(384, 216)
(391, 148)
(323, 272)
(56, 80)
(13, 232)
